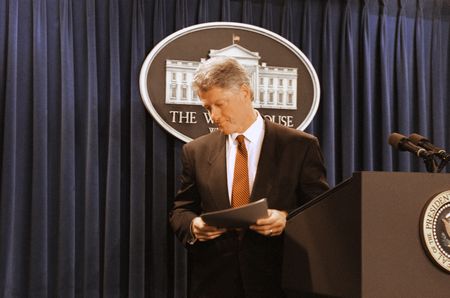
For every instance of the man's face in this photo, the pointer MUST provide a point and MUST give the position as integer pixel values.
(230, 109)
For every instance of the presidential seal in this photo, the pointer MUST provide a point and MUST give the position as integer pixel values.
(435, 229)
(285, 84)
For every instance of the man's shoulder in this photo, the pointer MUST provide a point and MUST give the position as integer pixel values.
(288, 133)
(206, 140)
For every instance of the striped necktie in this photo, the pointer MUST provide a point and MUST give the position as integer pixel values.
(240, 194)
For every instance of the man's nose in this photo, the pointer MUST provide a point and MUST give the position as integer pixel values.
(215, 114)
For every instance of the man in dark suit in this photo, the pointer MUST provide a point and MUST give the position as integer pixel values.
(284, 165)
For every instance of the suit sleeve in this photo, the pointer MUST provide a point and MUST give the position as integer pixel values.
(186, 205)
(313, 180)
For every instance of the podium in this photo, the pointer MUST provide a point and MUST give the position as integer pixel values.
(362, 239)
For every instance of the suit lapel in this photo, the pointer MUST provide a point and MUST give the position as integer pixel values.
(217, 182)
(268, 157)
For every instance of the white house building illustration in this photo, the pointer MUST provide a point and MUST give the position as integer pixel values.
(274, 87)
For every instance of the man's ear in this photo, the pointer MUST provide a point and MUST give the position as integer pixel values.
(247, 91)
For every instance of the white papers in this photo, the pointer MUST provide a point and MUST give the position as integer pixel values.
(240, 217)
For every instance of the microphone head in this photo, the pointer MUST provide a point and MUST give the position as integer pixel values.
(416, 138)
(395, 139)
(425, 143)
(402, 143)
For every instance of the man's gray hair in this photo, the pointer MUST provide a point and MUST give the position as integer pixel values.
(222, 72)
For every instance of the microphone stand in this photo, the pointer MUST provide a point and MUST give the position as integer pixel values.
(443, 163)
(430, 164)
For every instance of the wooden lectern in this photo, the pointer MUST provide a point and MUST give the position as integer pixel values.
(362, 239)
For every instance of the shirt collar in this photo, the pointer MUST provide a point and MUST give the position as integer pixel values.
(252, 133)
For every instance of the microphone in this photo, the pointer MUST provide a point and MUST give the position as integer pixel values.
(402, 143)
(425, 143)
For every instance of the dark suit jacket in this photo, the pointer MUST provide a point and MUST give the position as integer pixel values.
(290, 173)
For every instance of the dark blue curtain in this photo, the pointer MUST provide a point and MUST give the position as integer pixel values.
(87, 176)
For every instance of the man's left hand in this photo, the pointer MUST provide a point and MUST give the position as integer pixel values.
(273, 225)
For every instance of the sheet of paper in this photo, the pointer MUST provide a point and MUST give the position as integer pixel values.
(240, 217)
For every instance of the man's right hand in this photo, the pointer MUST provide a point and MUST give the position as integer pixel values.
(203, 232)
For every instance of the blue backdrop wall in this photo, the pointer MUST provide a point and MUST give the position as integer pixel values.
(87, 176)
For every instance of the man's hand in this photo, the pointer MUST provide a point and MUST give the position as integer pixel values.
(273, 225)
(203, 232)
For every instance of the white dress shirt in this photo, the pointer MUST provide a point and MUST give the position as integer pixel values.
(254, 136)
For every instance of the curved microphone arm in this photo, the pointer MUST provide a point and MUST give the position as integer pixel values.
(425, 143)
(402, 143)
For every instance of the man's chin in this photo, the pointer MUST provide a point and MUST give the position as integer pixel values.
(225, 131)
